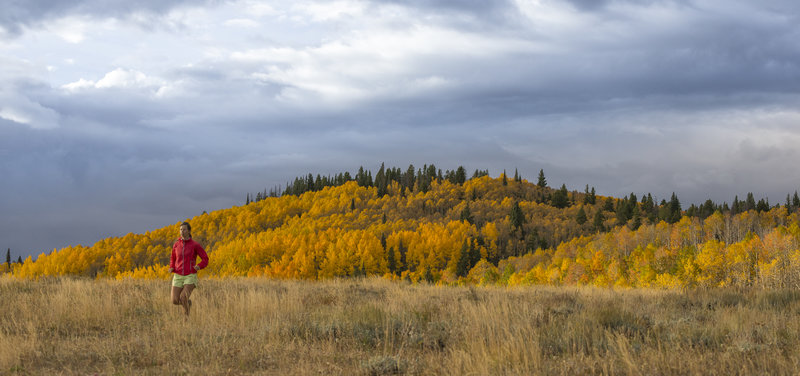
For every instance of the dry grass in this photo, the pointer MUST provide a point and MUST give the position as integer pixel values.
(376, 327)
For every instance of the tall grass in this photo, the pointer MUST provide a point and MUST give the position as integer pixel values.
(376, 327)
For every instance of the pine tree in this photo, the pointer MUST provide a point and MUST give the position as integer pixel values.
(581, 216)
(474, 254)
(8, 258)
(674, 209)
(517, 178)
(517, 217)
(505, 180)
(466, 215)
(381, 182)
(750, 202)
(462, 266)
(461, 175)
(390, 259)
(795, 201)
(542, 182)
(598, 221)
(560, 198)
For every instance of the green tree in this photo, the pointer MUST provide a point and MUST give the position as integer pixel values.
(8, 258)
(392, 261)
(505, 179)
(542, 182)
(598, 221)
(462, 266)
(381, 182)
(674, 209)
(466, 214)
(581, 216)
(461, 175)
(560, 198)
(517, 217)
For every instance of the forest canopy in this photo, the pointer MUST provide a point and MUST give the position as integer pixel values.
(422, 224)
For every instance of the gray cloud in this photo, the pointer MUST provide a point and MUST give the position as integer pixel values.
(695, 97)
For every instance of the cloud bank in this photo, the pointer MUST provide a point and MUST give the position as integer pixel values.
(121, 117)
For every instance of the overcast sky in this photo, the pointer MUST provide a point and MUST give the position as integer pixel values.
(122, 116)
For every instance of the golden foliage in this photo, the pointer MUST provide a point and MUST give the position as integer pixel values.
(350, 230)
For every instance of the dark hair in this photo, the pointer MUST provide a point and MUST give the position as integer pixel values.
(187, 226)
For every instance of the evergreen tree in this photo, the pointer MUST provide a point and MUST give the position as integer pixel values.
(466, 215)
(390, 259)
(381, 182)
(19, 260)
(247, 201)
(8, 258)
(517, 177)
(505, 180)
(461, 175)
(581, 216)
(795, 201)
(750, 202)
(674, 209)
(636, 218)
(352, 204)
(560, 198)
(517, 217)
(598, 221)
(608, 204)
(474, 255)
(462, 266)
(542, 182)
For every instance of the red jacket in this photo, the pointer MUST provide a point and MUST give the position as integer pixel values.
(184, 255)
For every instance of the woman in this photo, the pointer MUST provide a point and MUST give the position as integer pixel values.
(182, 262)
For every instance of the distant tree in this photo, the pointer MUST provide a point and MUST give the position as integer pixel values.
(750, 202)
(517, 177)
(542, 182)
(636, 218)
(19, 260)
(381, 182)
(8, 258)
(598, 221)
(608, 204)
(461, 175)
(462, 266)
(795, 201)
(517, 217)
(560, 198)
(352, 204)
(674, 209)
(391, 261)
(466, 215)
(505, 179)
(581, 216)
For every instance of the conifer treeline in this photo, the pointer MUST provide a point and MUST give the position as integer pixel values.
(626, 209)
(412, 179)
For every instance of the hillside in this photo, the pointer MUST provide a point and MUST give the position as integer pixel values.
(445, 228)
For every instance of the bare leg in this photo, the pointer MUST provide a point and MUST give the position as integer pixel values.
(176, 295)
(185, 295)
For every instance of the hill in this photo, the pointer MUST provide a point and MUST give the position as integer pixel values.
(426, 225)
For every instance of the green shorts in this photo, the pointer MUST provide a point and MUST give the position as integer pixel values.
(180, 280)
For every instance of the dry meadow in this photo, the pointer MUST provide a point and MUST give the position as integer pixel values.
(377, 327)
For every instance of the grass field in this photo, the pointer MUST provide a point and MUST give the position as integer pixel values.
(377, 327)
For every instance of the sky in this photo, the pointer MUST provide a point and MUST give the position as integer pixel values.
(121, 116)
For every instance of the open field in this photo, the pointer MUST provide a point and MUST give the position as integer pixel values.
(376, 327)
